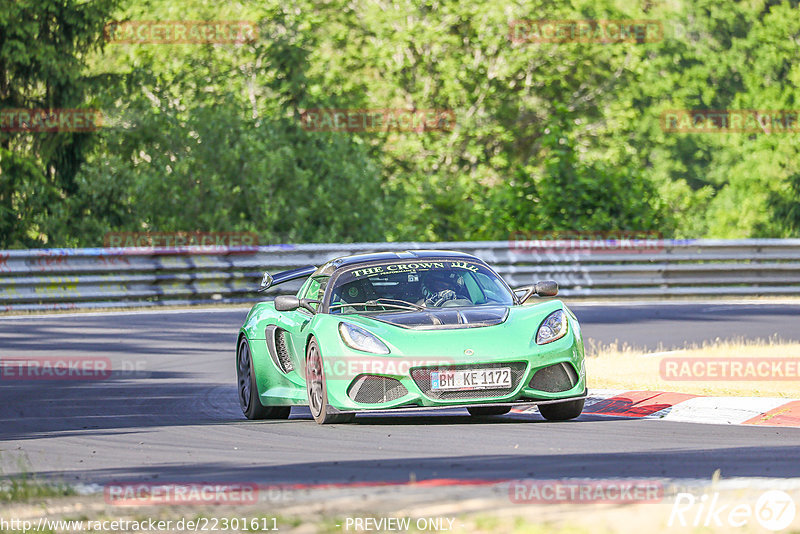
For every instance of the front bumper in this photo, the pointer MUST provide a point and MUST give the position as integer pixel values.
(512, 405)
(411, 391)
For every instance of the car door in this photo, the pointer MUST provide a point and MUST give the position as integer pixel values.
(295, 323)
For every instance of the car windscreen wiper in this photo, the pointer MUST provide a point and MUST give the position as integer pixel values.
(405, 305)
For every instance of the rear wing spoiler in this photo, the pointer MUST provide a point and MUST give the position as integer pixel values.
(293, 274)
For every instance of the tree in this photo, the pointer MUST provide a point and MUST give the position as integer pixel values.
(43, 46)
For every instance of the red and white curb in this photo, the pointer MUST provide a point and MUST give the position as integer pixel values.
(685, 407)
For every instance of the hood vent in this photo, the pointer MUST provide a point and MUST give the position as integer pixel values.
(446, 318)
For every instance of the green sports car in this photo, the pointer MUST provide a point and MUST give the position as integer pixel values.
(400, 330)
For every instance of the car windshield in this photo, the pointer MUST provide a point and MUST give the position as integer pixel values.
(417, 285)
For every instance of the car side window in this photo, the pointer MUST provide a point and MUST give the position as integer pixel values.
(474, 290)
(323, 284)
(490, 288)
(316, 288)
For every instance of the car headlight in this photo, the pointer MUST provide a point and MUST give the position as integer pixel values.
(359, 339)
(553, 327)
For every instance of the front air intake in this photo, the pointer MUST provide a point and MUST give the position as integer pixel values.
(373, 389)
(554, 378)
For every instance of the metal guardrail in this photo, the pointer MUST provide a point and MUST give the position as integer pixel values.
(130, 277)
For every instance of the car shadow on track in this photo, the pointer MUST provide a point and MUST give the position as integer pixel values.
(448, 416)
(770, 461)
(32, 409)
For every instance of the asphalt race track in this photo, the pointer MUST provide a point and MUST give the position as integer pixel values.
(169, 412)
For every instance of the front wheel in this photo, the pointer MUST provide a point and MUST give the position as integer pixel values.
(317, 389)
(248, 392)
(562, 411)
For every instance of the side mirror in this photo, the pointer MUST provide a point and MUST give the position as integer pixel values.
(546, 288)
(284, 303)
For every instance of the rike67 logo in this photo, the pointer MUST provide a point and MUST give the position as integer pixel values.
(774, 510)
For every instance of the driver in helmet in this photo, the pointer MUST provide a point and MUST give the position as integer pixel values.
(438, 287)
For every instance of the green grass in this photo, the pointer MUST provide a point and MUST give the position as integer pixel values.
(24, 488)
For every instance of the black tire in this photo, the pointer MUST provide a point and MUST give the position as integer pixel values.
(562, 411)
(317, 389)
(248, 392)
(485, 411)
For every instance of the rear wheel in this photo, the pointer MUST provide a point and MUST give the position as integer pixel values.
(248, 392)
(484, 411)
(562, 411)
(317, 389)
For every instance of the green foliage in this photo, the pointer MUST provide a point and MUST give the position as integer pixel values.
(549, 136)
(21, 489)
(43, 46)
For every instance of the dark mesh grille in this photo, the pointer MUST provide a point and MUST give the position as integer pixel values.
(372, 389)
(554, 378)
(422, 377)
(283, 351)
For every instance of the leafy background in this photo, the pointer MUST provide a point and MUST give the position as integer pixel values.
(549, 136)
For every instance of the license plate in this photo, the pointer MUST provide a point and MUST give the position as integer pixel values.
(471, 379)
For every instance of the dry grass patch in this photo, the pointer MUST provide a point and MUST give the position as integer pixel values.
(618, 366)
